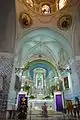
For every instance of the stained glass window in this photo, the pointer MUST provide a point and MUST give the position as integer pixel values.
(46, 9)
(62, 3)
(30, 2)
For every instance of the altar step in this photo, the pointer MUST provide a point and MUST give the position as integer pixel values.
(52, 117)
(36, 115)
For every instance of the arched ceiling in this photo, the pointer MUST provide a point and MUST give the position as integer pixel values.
(40, 64)
(43, 42)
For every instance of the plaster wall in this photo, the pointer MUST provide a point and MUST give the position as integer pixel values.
(7, 25)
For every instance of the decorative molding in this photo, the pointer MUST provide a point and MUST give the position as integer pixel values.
(6, 55)
(45, 19)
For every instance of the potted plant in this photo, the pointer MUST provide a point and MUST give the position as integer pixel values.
(26, 88)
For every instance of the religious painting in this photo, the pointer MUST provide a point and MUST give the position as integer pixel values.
(25, 20)
(66, 83)
(65, 22)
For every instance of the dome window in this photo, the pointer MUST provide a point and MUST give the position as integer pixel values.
(62, 3)
(46, 9)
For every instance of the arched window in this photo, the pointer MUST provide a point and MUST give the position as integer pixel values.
(62, 3)
(30, 2)
(46, 9)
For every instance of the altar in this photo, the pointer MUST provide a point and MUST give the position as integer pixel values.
(56, 104)
(37, 104)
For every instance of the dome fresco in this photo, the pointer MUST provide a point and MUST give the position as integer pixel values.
(45, 6)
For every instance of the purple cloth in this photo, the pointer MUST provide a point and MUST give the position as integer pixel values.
(59, 105)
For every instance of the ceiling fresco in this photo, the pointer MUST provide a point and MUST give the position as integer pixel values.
(43, 41)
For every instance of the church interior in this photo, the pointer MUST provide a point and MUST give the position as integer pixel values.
(39, 58)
